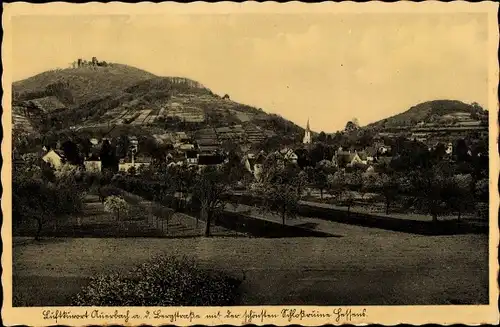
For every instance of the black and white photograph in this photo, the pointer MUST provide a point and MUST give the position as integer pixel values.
(317, 159)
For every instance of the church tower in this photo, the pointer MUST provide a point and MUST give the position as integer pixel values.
(307, 135)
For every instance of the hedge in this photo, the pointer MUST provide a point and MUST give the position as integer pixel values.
(163, 281)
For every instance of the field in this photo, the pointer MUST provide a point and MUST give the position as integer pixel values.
(354, 269)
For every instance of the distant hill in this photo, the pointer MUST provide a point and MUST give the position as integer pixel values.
(98, 97)
(433, 112)
(77, 86)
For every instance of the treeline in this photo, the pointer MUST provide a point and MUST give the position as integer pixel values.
(436, 191)
(167, 84)
(41, 195)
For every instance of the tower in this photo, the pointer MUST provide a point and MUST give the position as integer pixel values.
(307, 135)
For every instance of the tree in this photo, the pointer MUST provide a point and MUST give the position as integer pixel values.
(184, 178)
(34, 198)
(132, 171)
(122, 146)
(388, 186)
(439, 152)
(270, 144)
(369, 183)
(281, 190)
(109, 161)
(302, 158)
(354, 184)
(351, 126)
(116, 205)
(72, 153)
(430, 187)
(210, 194)
(320, 176)
(337, 183)
(322, 137)
(364, 138)
(31, 200)
(150, 146)
(461, 195)
(482, 191)
(233, 169)
(460, 150)
(320, 152)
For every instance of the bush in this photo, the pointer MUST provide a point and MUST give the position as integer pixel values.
(164, 281)
(116, 205)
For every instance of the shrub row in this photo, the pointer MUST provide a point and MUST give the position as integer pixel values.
(164, 281)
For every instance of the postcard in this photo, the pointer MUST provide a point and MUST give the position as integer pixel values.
(250, 163)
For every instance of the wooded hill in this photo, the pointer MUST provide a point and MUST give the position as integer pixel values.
(98, 96)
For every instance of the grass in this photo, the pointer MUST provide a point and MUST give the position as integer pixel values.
(358, 269)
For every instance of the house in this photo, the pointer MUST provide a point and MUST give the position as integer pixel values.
(55, 158)
(371, 154)
(449, 149)
(384, 149)
(205, 160)
(348, 159)
(358, 158)
(92, 165)
(364, 158)
(139, 162)
(175, 163)
(209, 149)
(184, 146)
(191, 157)
(288, 155)
(181, 136)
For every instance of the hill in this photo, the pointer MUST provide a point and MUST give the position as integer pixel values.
(436, 112)
(96, 98)
(77, 86)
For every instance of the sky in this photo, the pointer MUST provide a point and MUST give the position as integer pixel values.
(325, 67)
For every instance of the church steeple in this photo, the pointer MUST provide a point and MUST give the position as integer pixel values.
(307, 135)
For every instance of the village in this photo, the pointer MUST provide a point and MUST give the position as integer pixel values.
(204, 148)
